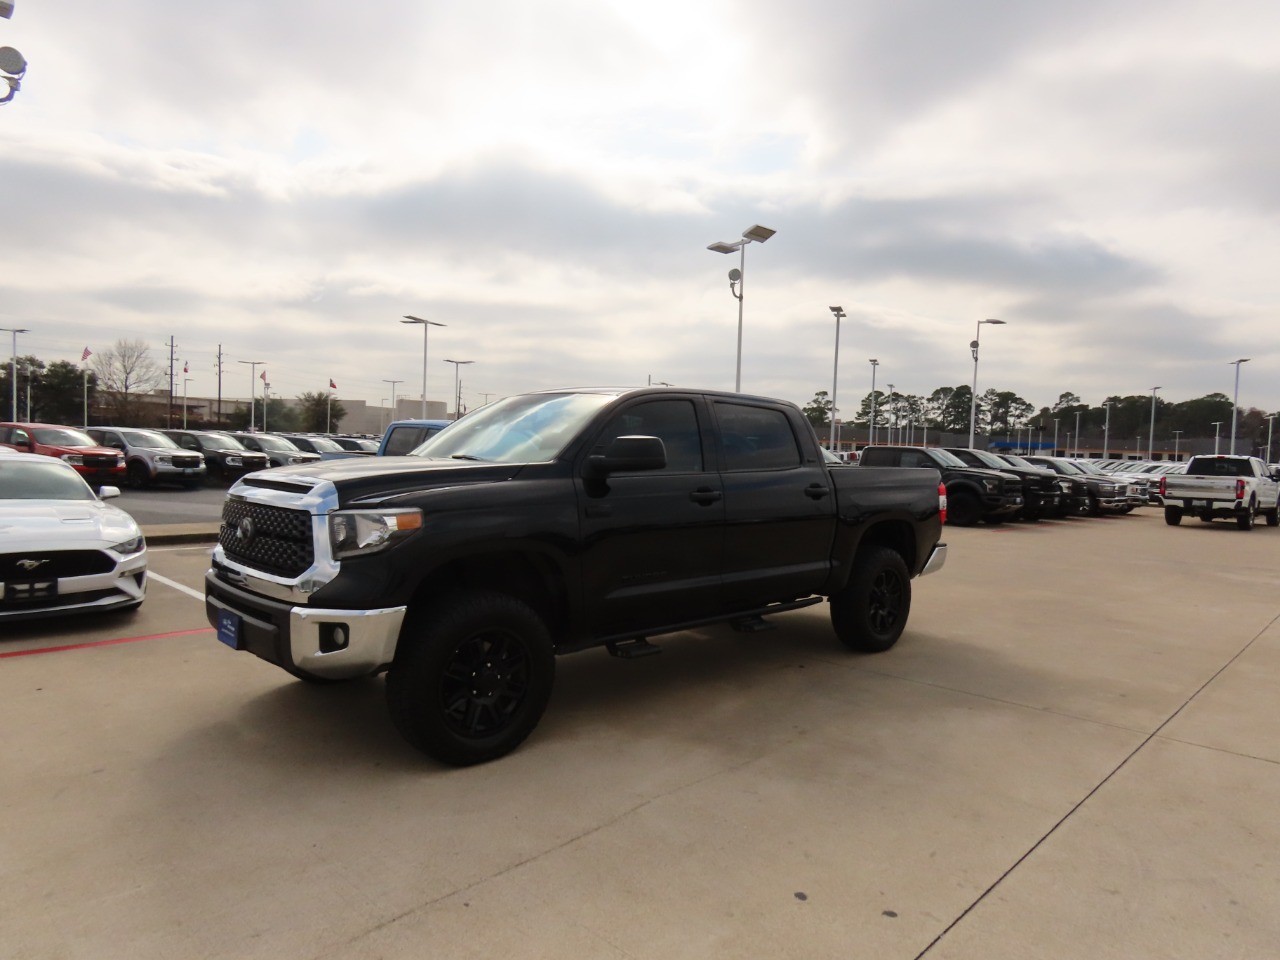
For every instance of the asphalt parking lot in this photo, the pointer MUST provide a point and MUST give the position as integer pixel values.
(1074, 752)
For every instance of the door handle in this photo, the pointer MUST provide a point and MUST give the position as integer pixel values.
(816, 491)
(706, 496)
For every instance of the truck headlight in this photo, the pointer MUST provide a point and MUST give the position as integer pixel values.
(235, 461)
(75, 459)
(357, 532)
(164, 460)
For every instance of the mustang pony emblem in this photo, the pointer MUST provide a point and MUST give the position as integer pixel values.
(29, 565)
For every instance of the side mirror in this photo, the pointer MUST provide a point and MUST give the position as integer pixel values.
(108, 493)
(627, 455)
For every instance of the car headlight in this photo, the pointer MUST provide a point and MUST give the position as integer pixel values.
(1107, 489)
(357, 532)
(235, 461)
(132, 545)
(75, 459)
(164, 461)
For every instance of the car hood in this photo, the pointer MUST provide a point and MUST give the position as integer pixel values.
(57, 450)
(41, 524)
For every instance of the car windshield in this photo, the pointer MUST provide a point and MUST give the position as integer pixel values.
(989, 460)
(62, 437)
(947, 457)
(25, 480)
(323, 445)
(147, 438)
(526, 429)
(279, 444)
(219, 441)
(1063, 466)
(1019, 462)
(1084, 466)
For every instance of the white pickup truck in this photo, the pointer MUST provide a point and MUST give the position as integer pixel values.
(1223, 487)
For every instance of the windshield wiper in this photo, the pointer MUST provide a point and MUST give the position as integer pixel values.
(468, 456)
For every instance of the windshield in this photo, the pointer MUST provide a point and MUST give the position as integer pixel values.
(279, 444)
(219, 441)
(147, 438)
(62, 437)
(1019, 462)
(24, 480)
(323, 444)
(1084, 466)
(947, 457)
(990, 460)
(526, 429)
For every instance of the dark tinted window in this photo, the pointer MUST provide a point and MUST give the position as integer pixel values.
(756, 438)
(674, 422)
(404, 439)
(917, 458)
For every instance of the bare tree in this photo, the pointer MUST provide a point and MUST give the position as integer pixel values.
(125, 372)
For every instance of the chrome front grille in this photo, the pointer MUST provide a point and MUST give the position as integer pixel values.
(261, 536)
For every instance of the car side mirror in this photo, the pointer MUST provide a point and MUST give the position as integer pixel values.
(627, 455)
(108, 493)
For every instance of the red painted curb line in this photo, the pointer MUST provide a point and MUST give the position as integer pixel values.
(103, 643)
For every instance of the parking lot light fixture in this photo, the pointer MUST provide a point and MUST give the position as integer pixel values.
(1271, 422)
(833, 436)
(973, 396)
(393, 395)
(1177, 436)
(426, 326)
(1235, 402)
(1078, 433)
(1217, 430)
(253, 392)
(13, 366)
(738, 279)
(871, 433)
(1106, 431)
(1151, 439)
(457, 386)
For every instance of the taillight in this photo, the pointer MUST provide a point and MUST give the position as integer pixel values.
(1239, 488)
(1162, 488)
(942, 502)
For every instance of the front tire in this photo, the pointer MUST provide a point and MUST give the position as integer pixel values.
(870, 613)
(963, 509)
(471, 677)
(138, 475)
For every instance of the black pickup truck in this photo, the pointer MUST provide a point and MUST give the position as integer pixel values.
(551, 522)
(973, 493)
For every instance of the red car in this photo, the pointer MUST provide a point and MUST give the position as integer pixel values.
(93, 462)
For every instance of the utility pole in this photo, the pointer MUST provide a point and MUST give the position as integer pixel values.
(172, 348)
(219, 385)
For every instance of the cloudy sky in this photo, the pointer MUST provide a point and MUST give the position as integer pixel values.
(286, 179)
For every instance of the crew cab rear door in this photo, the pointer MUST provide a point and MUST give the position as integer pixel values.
(779, 508)
(652, 541)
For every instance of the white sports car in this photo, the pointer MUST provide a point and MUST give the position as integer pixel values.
(62, 550)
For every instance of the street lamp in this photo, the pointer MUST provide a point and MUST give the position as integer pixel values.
(1177, 436)
(185, 381)
(1235, 402)
(1055, 436)
(1271, 422)
(1217, 424)
(426, 325)
(13, 367)
(1151, 439)
(393, 395)
(973, 396)
(1106, 431)
(833, 438)
(1078, 433)
(253, 392)
(738, 281)
(871, 435)
(457, 386)
(893, 413)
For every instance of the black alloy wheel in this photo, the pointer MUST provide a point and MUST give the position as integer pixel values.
(138, 474)
(871, 612)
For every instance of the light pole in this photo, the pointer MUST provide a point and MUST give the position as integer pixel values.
(1106, 431)
(426, 326)
(1236, 402)
(185, 381)
(1151, 438)
(1217, 426)
(833, 438)
(973, 396)
(738, 279)
(1137, 447)
(1068, 443)
(871, 435)
(253, 392)
(1271, 422)
(893, 414)
(457, 386)
(13, 367)
(1177, 435)
(1078, 433)
(393, 395)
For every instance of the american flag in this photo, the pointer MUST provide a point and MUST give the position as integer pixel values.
(263, 376)
(85, 356)
(332, 385)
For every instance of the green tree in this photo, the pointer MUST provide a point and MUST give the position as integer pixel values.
(818, 410)
(316, 415)
(58, 395)
(30, 371)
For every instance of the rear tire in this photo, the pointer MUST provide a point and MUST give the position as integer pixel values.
(1172, 516)
(1245, 520)
(871, 612)
(471, 677)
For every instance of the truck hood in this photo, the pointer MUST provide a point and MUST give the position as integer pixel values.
(57, 450)
(376, 479)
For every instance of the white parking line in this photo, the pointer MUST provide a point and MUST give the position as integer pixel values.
(177, 586)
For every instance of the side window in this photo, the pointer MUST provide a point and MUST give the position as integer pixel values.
(402, 440)
(674, 422)
(914, 458)
(20, 436)
(756, 438)
(189, 442)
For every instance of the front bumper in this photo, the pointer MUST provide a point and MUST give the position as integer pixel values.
(121, 588)
(1001, 506)
(309, 642)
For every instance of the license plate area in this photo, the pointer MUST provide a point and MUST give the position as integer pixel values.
(26, 591)
(230, 628)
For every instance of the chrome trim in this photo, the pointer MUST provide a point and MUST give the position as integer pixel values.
(318, 501)
(371, 643)
(936, 559)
